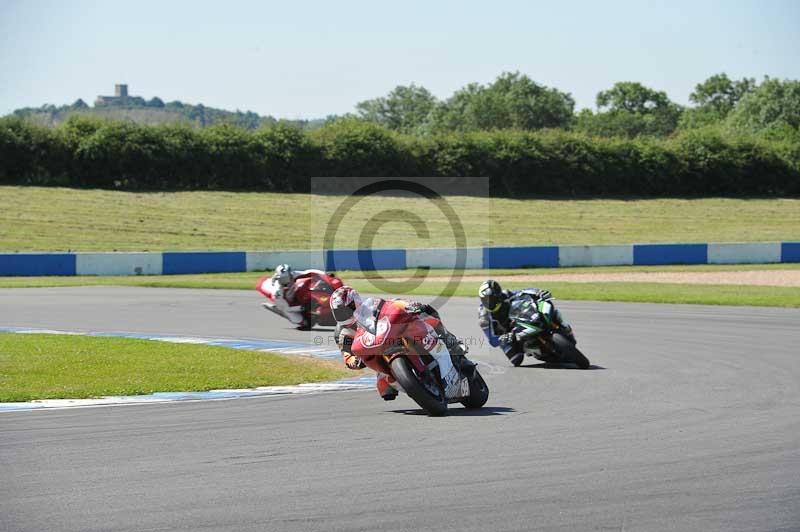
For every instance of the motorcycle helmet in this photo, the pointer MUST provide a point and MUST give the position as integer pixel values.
(284, 274)
(491, 295)
(344, 302)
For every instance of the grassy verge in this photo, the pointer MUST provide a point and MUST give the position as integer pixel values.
(57, 219)
(598, 291)
(42, 366)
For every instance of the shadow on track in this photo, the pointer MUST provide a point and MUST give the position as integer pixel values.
(462, 412)
(315, 328)
(551, 365)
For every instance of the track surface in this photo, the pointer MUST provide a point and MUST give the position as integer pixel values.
(693, 423)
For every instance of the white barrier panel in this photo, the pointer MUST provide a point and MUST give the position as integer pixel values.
(299, 260)
(621, 255)
(118, 264)
(755, 253)
(442, 258)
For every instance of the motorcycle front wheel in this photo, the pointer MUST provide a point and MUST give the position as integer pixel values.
(478, 392)
(568, 352)
(434, 406)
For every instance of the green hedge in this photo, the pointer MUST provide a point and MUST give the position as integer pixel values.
(96, 153)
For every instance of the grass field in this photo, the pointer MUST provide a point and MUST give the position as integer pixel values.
(45, 366)
(58, 219)
(435, 285)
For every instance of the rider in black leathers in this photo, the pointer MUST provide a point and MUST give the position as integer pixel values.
(493, 317)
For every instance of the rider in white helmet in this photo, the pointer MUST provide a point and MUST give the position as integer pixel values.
(283, 281)
(351, 313)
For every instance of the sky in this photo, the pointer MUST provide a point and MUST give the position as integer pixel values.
(311, 59)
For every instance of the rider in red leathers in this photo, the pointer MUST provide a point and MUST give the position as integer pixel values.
(351, 313)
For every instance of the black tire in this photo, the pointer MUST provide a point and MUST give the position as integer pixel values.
(434, 406)
(568, 352)
(478, 392)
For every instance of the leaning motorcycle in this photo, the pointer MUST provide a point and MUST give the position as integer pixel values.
(537, 325)
(399, 344)
(312, 292)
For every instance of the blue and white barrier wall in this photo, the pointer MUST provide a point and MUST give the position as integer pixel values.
(183, 262)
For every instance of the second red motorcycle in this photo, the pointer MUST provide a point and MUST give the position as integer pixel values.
(311, 291)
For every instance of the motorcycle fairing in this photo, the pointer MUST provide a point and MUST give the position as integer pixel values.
(382, 329)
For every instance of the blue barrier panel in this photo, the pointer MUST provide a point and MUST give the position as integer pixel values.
(654, 254)
(204, 262)
(790, 252)
(365, 259)
(521, 257)
(37, 264)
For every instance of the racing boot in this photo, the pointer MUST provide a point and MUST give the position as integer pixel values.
(386, 389)
(516, 358)
(465, 366)
(512, 346)
(565, 328)
(458, 353)
(292, 313)
(295, 315)
(514, 354)
(454, 345)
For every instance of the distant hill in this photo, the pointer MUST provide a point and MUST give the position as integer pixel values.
(153, 111)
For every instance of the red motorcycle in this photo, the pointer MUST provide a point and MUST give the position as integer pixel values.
(400, 344)
(312, 291)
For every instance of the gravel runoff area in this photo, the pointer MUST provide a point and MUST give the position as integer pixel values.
(758, 278)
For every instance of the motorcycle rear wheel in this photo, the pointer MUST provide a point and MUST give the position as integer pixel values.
(568, 352)
(434, 406)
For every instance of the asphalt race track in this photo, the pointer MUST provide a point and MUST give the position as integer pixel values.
(690, 421)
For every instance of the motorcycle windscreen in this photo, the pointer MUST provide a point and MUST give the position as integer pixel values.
(382, 329)
(522, 309)
(321, 286)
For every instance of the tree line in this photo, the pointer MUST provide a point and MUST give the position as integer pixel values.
(512, 101)
(154, 111)
(523, 161)
(628, 109)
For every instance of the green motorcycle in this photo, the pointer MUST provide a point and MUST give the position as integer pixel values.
(539, 327)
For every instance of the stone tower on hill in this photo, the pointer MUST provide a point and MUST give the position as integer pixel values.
(120, 95)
